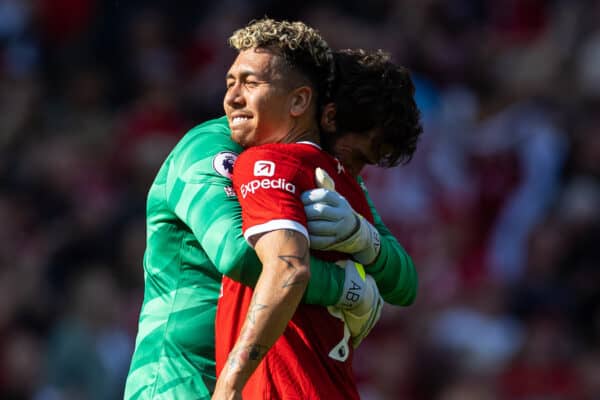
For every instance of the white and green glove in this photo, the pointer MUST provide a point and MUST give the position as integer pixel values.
(360, 303)
(333, 224)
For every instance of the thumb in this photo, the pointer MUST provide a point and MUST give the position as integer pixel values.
(323, 180)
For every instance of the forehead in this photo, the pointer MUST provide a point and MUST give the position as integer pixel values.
(255, 61)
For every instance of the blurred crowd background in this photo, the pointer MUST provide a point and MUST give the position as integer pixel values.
(500, 207)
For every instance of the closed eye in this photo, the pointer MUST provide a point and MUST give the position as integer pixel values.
(229, 84)
(251, 83)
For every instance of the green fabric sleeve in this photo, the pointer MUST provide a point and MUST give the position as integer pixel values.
(326, 283)
(393, 270)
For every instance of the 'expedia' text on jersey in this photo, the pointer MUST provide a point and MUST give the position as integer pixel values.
(255, 184)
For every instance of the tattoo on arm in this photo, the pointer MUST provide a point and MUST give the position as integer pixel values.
(254, 353)
(253, 309)
(232, 361)
(292, 279)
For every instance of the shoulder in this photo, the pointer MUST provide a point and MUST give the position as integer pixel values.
(207, 147)
(210, 136)
(285, 164)
(283, 152)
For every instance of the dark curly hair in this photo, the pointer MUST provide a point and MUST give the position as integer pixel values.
(369, 92)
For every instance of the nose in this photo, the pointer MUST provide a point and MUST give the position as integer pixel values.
(233, 96)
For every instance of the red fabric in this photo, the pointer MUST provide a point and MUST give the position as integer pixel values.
(277, 197)
(298, 366)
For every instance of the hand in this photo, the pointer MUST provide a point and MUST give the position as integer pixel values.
(360, 302)
(334, 225)
(363, 318)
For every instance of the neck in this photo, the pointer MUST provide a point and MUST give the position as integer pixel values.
(299, 134)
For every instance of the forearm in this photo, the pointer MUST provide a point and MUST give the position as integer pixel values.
(326, 283)
(276, 296)
(394, 273)
(393, 269)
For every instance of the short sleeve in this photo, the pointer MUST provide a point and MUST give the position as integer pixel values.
(268, 184)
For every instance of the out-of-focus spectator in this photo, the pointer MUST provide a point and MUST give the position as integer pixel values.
(588, 367)
(479, 333)
(544, 367)
(392, 355)
(88, 349)
(21, 364)
(540, 147)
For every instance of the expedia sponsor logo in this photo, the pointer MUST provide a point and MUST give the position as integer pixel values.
(254, 185)
(264, 168)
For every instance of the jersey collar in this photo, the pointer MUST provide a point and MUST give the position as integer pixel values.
(310, 143)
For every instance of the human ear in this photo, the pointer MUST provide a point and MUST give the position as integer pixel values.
(328, 118)
(301, 99)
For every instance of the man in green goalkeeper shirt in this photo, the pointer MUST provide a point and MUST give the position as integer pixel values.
(194, 237)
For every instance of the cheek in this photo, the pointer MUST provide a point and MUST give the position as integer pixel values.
(265, 111)
(276, 109)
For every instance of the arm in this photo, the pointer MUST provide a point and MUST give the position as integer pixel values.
(197, 194)
(333, 225)
(393, 270)
(284, 254)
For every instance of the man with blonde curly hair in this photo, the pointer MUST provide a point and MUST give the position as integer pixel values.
(276, 88)
(194, 237)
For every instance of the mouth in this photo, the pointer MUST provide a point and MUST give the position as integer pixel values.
(239, 119)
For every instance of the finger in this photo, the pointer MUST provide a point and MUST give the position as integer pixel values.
(321, 195)
(313, 195)
(322, 211)
(322, 228)
(323, 179)
(321, 242)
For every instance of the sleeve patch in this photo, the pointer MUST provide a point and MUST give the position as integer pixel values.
(223, 163)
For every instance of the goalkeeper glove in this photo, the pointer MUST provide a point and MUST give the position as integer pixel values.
(334, 225)
(360, 303)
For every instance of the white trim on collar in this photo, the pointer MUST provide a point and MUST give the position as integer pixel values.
(310, 143)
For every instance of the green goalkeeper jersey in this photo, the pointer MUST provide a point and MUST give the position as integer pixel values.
(194, 236)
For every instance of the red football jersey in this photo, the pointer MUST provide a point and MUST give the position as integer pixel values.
(312, 359)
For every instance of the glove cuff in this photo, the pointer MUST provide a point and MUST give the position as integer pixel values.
(354, 285)
(372, 242)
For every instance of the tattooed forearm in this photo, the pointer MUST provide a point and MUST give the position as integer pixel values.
(253, 309)
(286, 271)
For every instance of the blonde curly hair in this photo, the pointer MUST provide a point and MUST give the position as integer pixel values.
(301, 47)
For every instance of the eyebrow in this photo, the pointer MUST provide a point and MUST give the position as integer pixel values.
(243, 74)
